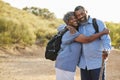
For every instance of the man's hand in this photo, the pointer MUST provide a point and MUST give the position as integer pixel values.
(105, 55)
(71, 29)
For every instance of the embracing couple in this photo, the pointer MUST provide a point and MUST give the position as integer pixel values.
(82, 47)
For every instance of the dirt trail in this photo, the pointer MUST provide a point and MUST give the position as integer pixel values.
(38, 68)
(27, 68)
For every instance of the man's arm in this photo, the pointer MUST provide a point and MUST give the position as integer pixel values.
(106, 40)
(86, 39)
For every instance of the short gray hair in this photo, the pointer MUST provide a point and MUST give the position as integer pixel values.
(67, 16)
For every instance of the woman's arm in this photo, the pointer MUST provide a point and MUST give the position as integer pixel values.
(86, 39)
(70, 35)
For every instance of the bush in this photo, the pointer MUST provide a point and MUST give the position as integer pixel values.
(12, 32)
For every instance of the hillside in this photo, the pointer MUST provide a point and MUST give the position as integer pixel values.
(21, 27)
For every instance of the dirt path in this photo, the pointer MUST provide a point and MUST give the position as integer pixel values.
(35, 68)
(18, 68)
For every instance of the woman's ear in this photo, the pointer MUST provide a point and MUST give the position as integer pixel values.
(86, 11)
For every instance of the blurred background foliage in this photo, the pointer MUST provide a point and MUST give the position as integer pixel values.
(33, 25)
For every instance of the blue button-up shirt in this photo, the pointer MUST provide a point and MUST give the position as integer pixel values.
(92, 52)
(69, 54)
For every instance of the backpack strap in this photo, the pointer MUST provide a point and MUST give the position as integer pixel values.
(63, 31)
(95, 25)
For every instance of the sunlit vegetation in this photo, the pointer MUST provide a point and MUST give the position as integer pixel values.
(25, 28)
(35, 25)
(114, 33)
(42, 13)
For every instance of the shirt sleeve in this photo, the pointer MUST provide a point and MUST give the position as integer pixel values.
(105, 38)
(69, 38)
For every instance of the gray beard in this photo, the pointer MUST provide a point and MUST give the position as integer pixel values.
(83, 21)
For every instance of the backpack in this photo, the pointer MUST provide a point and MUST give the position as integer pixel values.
(54, 45)
(95, 25)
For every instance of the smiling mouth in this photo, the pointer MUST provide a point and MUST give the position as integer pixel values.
(75, 22)
(82, 18)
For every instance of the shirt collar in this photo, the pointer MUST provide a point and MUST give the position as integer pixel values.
(89, 20)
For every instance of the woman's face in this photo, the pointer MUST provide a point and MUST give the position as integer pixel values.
(73, 21)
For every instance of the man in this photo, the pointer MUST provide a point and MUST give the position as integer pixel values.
(93, 52)
(69, 54)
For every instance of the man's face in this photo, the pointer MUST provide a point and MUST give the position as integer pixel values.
(81, 15)
(73, 21)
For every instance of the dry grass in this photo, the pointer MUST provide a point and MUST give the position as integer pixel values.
(37, 68)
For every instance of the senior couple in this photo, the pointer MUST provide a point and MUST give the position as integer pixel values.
(82, 47)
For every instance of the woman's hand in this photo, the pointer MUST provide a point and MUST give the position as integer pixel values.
(71, 29)
(106, 31)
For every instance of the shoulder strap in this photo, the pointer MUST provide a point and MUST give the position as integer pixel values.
(95, 25)
(63, 31)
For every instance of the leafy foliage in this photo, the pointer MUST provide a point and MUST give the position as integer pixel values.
(24, 28)
(35, 25)
(114, 33)
(44, 13)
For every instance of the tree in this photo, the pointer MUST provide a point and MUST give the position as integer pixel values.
(44, 13)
